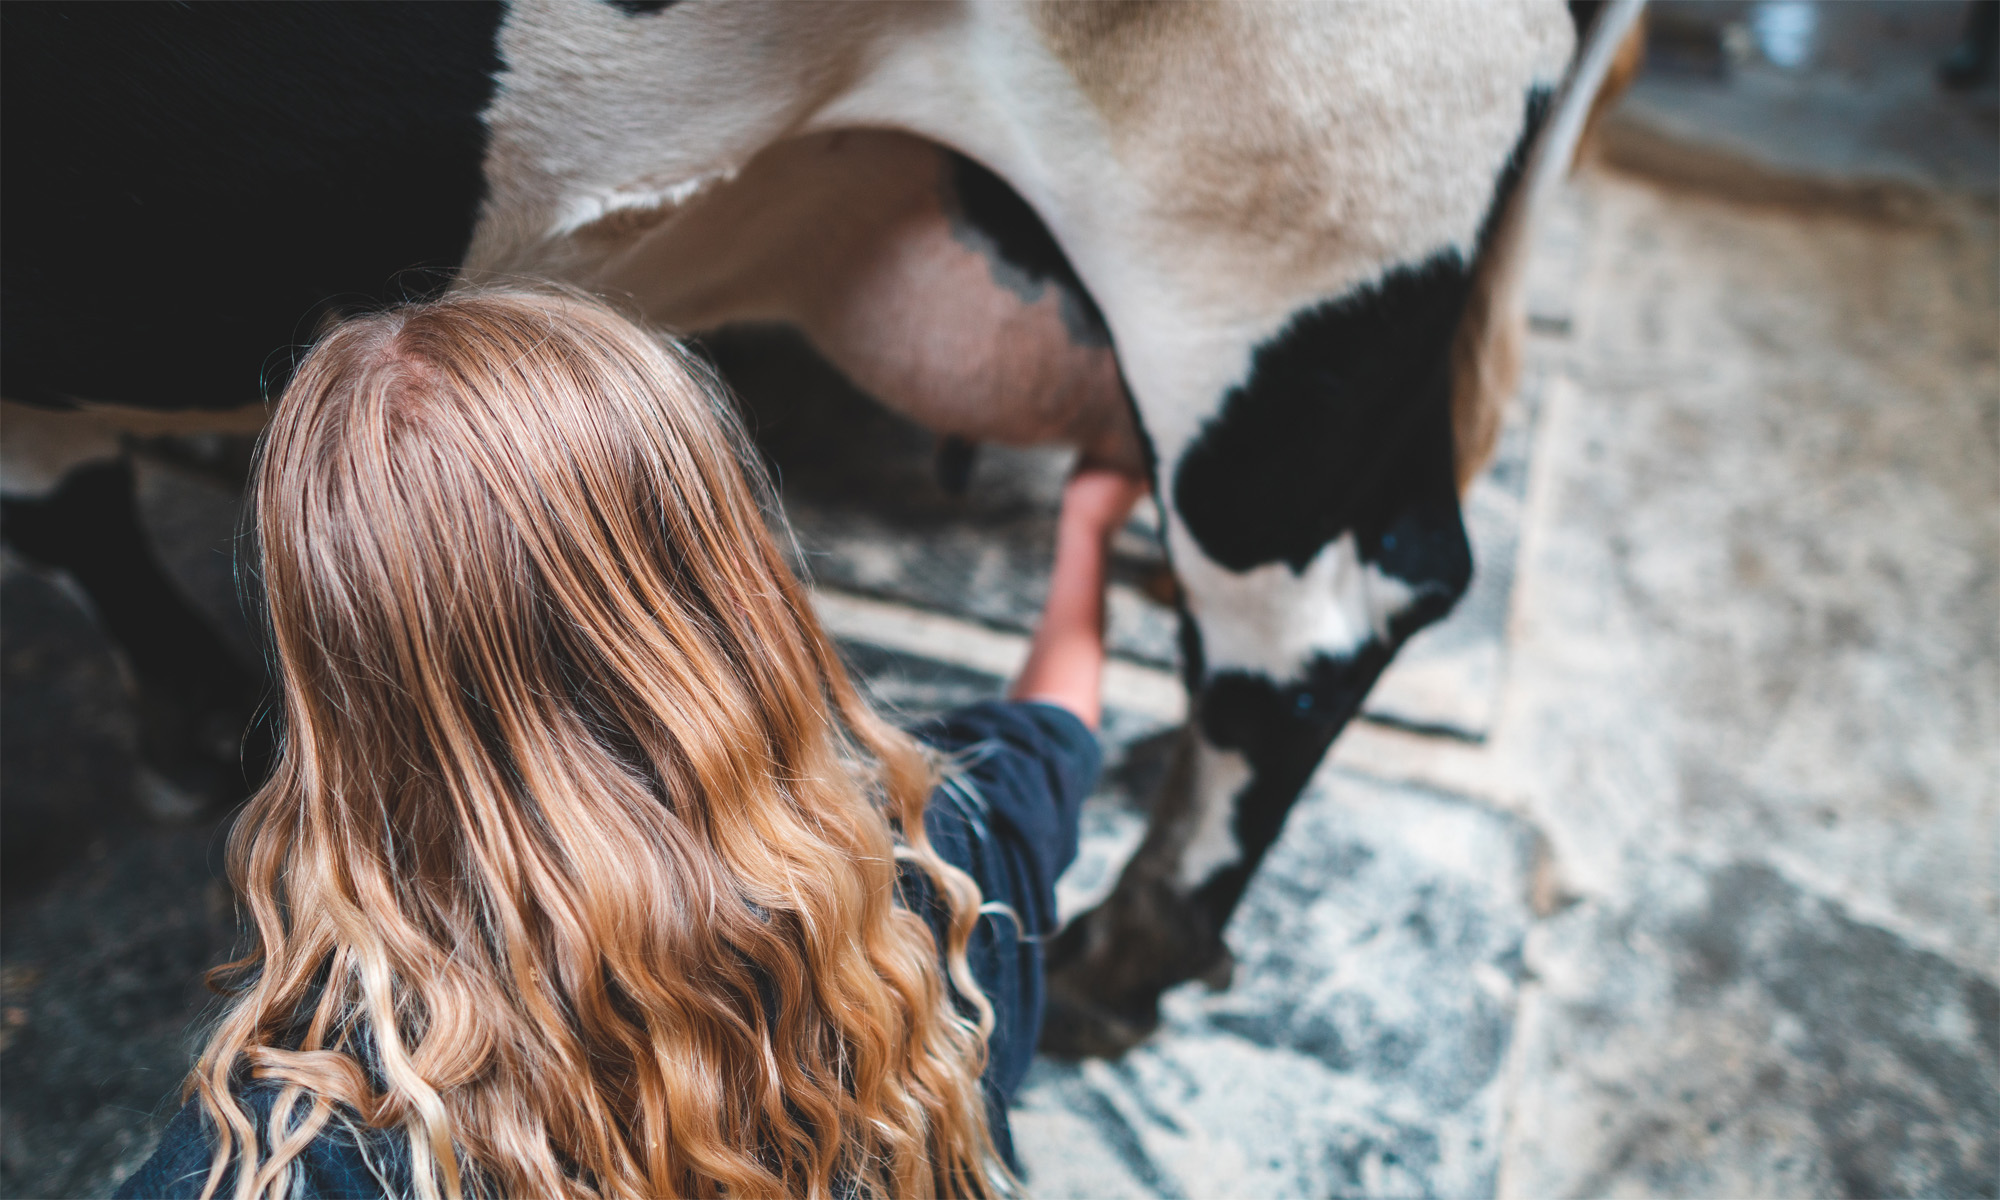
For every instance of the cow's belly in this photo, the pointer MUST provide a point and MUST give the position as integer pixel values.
(925, 318)
(859, 238)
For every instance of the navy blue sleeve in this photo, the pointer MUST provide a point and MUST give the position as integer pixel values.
(1025, 769)
(1008, 817)
(179, 1166)
(331, 1167)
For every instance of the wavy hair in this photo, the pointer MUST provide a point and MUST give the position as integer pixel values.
(579, 865)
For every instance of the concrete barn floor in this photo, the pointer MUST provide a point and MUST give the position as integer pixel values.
(1669, 866)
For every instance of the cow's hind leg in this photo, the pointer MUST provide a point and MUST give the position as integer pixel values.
(1314, 525)
(195, 699)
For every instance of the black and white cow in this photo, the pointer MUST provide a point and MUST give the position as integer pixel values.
(1281, 236)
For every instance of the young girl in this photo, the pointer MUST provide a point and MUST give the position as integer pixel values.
(584, 870)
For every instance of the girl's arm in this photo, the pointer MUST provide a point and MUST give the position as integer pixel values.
(1066, 661)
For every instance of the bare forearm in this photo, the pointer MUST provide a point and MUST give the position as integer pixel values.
(1066, 661)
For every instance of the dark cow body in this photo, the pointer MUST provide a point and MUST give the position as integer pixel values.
(189, 187)
(188, 191)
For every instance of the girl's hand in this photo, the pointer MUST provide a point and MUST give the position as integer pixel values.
(1098, 499)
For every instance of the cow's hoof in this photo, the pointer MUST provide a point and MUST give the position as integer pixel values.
(167, 799)
(1107, 969)
(1073, 1027)
(195, 760)
(180, 784)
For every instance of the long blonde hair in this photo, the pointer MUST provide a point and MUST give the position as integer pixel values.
(579, 865)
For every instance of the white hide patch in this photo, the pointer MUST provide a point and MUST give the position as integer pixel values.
(1219, 778)
(588, 208)
(1272, 621)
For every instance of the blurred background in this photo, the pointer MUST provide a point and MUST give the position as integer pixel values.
(1669, 865)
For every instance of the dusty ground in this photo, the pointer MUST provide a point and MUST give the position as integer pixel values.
(1670, 867)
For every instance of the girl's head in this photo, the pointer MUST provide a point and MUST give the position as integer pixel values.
(578, 865)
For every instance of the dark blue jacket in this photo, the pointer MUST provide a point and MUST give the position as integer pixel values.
(1009, 820)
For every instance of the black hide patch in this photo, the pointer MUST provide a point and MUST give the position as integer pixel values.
(642, 8)
(186, 188)
(991, 217)
(1583, 15)
(1344, 425)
